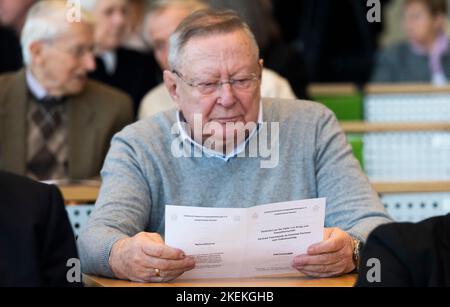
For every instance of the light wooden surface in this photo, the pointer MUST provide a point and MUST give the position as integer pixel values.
(79, 194)
(332, 89)
(284, 281)
(345, 89)
(364, 127)
(412, 187)
(405, 88)
(87, 194)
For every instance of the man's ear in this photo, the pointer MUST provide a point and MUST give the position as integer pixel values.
(171, 85)
(261, 64)
(36, 50)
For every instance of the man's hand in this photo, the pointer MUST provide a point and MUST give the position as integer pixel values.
(137, 258)
(331, 257)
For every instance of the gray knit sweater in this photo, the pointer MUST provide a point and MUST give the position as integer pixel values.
(141, 176)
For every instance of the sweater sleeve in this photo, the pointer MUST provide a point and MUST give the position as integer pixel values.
(352, 204)
(122, 209)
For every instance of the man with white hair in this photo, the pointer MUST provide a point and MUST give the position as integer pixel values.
(161, 20)
(128, 70)
(54, 122)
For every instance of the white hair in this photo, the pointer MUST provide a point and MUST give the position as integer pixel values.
(46, 20)
(205, 23)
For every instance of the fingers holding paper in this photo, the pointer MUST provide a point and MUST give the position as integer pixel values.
(331, 257)
(145, 258)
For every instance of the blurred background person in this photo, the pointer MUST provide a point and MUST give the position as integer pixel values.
(129, 70)
(278, 55)
(425, 56)
(335, 38)
(55, 123)
(12, 18)
(134, 37)
(162, 18)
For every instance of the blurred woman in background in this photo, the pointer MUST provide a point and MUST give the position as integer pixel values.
(425, 56)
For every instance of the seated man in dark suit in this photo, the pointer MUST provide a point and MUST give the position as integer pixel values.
(408, 255)
(54, 122)
(131, 71)
(35, 234)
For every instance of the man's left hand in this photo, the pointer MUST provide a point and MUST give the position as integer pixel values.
(331, 257)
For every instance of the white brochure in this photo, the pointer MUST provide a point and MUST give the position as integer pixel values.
(245, 242)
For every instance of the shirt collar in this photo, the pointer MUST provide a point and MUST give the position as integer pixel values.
(109, 59)
(240, 148)
(440, 46)
(34, 86)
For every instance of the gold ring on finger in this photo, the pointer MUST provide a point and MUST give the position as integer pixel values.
(157, 272)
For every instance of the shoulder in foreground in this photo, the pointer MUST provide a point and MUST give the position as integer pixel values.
(412, 233)
(12, 182)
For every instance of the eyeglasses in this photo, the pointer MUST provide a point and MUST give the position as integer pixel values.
(75, 51)
(243, 83)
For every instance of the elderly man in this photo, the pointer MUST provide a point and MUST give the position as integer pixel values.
(162, 19)
(54, 122)
(214, 78)
(128, 70)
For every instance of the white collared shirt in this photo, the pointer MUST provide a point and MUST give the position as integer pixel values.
(109, 59)
(34, 86)
(240, 148)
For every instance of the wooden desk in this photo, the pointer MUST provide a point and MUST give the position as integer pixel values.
(412, 187)
(366, 127)
(79, 194)
(332, 89)
(284, 281)
(405, 88)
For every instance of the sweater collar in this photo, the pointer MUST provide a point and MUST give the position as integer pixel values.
(209, 152)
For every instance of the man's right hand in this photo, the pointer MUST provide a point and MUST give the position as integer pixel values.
(139, 258)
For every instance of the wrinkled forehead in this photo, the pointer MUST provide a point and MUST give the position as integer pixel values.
(235, 48)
